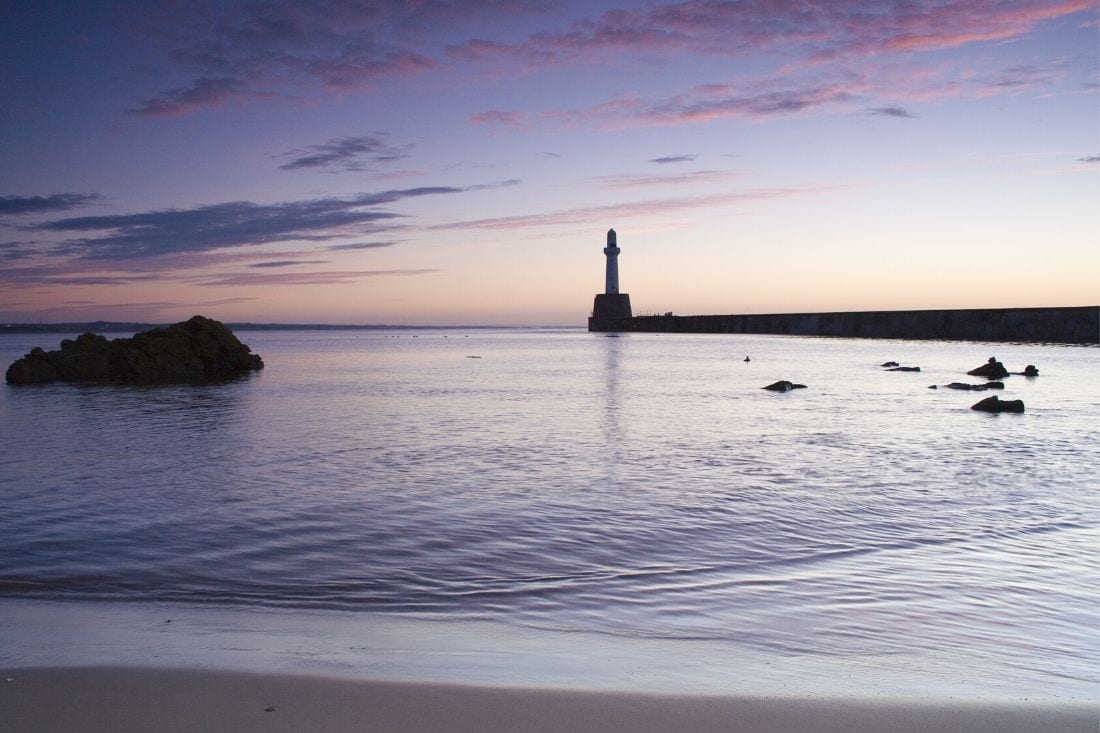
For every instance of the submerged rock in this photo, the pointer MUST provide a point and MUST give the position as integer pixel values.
(976, 387)
(783, 386)
(996, 404)
(903, 369)
(197, 350)
(992, 369)
(890, 364)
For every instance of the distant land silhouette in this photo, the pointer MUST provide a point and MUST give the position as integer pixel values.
(137, 327)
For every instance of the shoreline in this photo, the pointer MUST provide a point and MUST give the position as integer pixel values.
(402, 649)
(93, 699)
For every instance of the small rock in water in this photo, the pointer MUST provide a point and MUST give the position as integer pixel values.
(1030, 371)
(996, 404)
(904, 369)
(783, 386)
(975, 387)
(890, 364)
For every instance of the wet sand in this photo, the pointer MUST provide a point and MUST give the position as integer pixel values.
(118, 699)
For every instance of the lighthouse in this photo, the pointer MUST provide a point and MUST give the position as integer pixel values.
(612, 250)
(611, 306)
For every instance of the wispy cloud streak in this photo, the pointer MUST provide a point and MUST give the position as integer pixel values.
(642, 208)
(234, 224)
(660, 181)
(890, 112)
(345, 154)
(331, 277)
(287, 263)
(19, 205)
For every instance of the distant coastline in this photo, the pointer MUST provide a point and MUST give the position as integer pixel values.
(135, 327)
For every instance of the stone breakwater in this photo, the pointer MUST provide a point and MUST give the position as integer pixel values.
(1070, 325)
(197, 350)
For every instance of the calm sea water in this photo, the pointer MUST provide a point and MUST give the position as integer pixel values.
(641, 486)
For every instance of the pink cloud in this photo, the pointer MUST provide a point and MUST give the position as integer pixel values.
(649, 207)
(813, 31)
(704, 104)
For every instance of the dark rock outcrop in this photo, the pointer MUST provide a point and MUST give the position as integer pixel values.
(992, 369)
(903, 369)
(1030, 371)
(783, 386)
(890, 364)
(976, 387)
(996, 404)
(197, 350)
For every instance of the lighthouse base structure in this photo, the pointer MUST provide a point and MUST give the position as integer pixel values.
(608, 311)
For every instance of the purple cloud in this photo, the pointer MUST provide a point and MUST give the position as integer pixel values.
(358, 246)
(234, 224)
(237, 52)
(643, 181)
(18, 205)
(204, 93)
(346, 154)
(890, 112)
(287, 263)
(511, 118)
(673, 159)
(332, 277)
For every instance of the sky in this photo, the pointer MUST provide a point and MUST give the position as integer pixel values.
(458, 162)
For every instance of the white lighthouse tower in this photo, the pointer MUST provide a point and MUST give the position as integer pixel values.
(611, 311)
(612, 250)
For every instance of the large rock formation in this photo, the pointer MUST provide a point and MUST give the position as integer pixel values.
(197, 350)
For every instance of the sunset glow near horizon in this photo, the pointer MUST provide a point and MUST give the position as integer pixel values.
(459, 163)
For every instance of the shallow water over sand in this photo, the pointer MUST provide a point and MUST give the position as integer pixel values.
(640, 487)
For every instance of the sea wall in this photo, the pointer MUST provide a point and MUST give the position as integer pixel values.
(1072, 325)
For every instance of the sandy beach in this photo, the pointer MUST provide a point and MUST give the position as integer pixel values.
(120, 699)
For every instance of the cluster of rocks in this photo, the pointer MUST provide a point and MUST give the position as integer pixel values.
(995, 370)
(992, 370)
(193, 351)
(893, 366)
